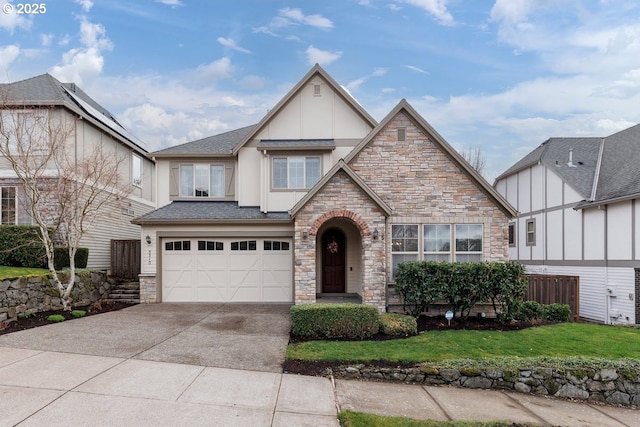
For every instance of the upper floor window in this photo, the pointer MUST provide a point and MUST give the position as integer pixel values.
(8, 211)
(201, 180)
(136, 170)
(531, 232)
(295, 172)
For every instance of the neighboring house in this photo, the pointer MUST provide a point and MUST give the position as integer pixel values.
(92, 124)
(577, 202)
(316, 199)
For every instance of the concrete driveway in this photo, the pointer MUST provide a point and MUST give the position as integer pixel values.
(238, 336)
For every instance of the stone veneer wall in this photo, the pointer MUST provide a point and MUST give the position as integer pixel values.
(148, 288)
(35, 294)
(341, 198)
(424, 186)
(602, 385)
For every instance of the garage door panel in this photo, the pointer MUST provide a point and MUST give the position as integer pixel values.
(254, 271)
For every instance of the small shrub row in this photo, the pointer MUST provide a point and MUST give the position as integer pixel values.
(462, 285)
(398, 325)
(533, 310)
(348, 322)
(61, 258)
(334, 321)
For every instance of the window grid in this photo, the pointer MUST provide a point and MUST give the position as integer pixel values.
(8, 211)
(531, 232)
(201, 180)
(295, 172)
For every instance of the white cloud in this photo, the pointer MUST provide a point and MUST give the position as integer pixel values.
(436, 8)
(85, 63)
(11, 21)
(216, 70)
(293, 17)
(355, 84)
(86, 4)
(296, 15)
(231, 44)
(512, 11)
(322, 57)
(172, 3)
(416, 69)
(46, 39)
(8, 54)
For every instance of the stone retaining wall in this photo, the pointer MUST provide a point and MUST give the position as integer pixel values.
(602, 385)
(35, 294)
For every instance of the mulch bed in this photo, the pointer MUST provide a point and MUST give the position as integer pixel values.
(40, 319)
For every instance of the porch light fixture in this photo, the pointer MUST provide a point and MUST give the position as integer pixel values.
(376, 233)
(305, 235)
(147, 239)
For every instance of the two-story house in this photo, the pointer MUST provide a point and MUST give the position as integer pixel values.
(577, 200)
(316, 199)
(89, 125)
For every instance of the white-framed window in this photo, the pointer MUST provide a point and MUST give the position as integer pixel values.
(8, 212)
(136, 170)
(468, 242)
(178, 245)
(404, 244)
(244, 245)
(437, 242)
(201, 180)
(275, 245)
(210, 245)
(295, 172)
(531, 232)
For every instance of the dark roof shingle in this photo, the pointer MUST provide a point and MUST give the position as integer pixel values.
(216, 145)
(208, 211)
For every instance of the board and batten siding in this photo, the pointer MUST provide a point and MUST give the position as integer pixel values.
(599, 244)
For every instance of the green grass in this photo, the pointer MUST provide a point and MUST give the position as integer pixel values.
(359, 419)
(561, 340)
(15, 272)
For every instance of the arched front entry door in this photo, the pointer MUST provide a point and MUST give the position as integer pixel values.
(334, 259)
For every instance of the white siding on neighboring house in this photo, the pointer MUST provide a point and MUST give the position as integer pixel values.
(554, 235)
(537, 188)
(554, 189)
(572, 234)
(619, 225)
(593, 234)
(524, 191)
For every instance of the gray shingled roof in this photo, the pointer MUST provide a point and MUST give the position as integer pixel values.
(46, 90)
(221, 144)
(620, 169)
(619, 173)
(284, 144)
(554, 154)
(208, 211)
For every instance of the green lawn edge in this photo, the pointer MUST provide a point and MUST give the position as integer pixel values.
(359, 419)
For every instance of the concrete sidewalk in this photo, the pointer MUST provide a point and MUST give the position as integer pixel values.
(61, 389)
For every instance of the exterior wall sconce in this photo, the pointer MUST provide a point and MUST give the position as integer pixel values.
(305, 235)
(147, 239)
(376, 233)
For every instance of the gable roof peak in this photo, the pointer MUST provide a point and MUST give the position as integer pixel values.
(315, 70)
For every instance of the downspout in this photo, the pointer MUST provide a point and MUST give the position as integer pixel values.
(594, 190)
(264, 189)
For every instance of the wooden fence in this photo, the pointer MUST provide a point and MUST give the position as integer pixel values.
(125, 259)
(555, 289)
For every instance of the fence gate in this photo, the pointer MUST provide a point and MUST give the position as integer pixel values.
(555, 289)
(125, 259)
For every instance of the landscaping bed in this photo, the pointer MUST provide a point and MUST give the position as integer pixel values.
(40, 319)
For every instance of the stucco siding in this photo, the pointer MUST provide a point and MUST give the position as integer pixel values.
(524, 190)
(554, 189)
(572, 234)
(594, 234)
(537, 188)
(554, 235)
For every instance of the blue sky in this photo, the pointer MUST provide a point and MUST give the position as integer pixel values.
(502, 75)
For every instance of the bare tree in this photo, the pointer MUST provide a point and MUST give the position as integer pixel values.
(475, 158)
(67, 186)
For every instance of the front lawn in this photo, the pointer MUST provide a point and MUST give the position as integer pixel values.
(560, 340)
(359, 419)
(15, 272)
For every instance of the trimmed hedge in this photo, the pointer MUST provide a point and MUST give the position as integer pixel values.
(61, 257)
(533, 310)
(334, 321)
(398, 325)
(21, 247)
(462, 285)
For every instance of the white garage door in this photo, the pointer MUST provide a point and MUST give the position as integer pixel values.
(227, 270)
